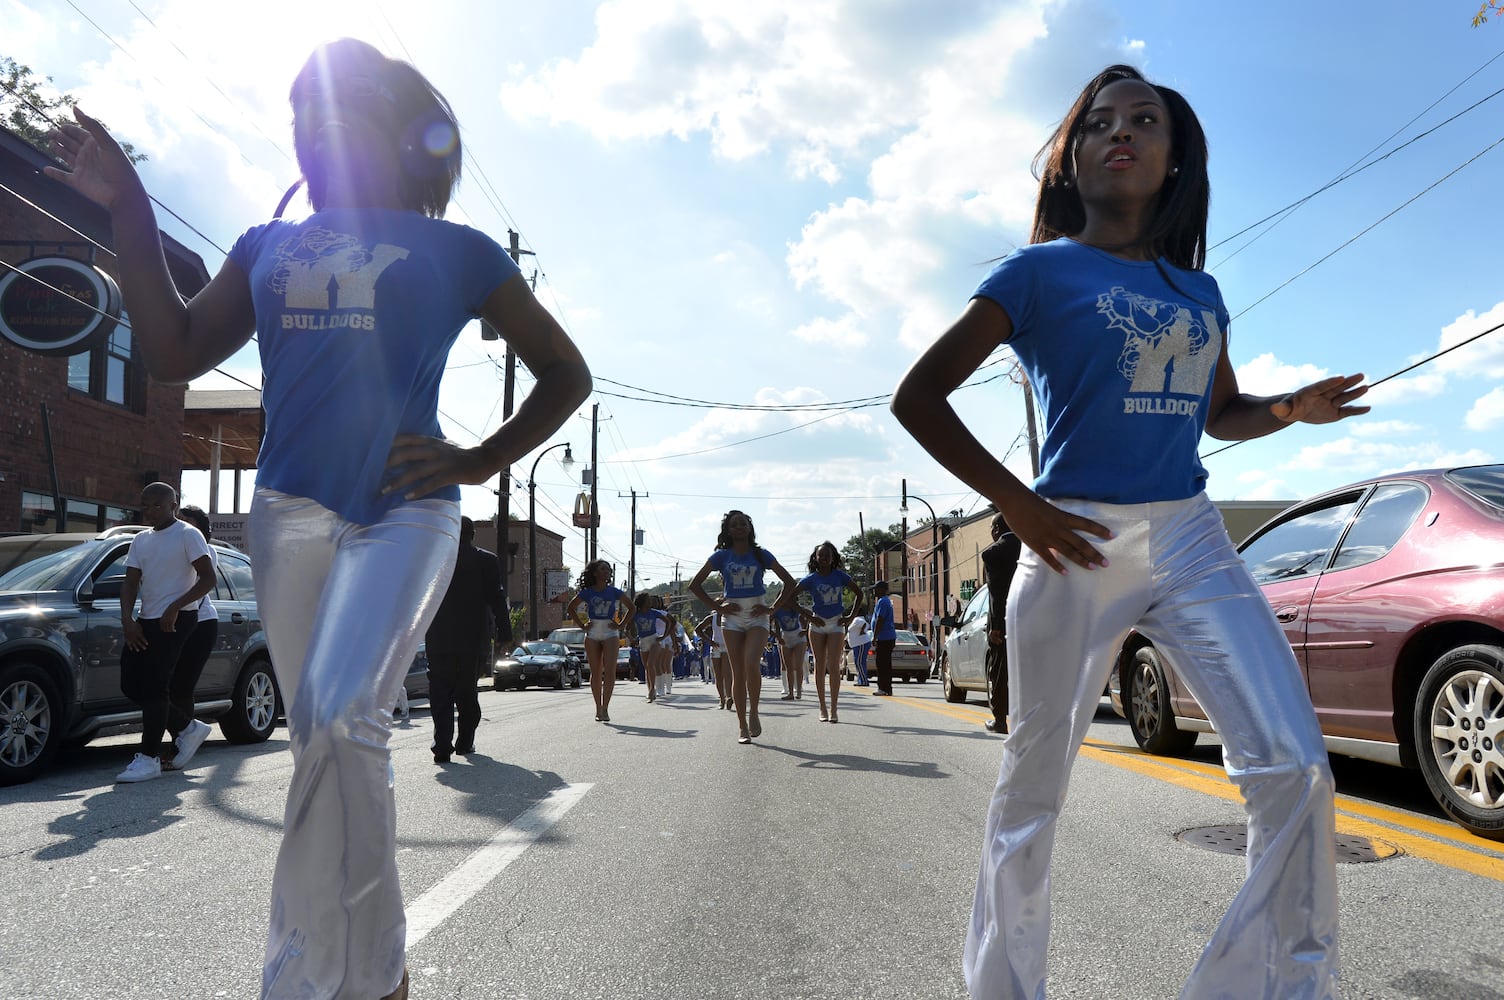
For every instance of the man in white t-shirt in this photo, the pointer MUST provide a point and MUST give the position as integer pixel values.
(170, 569)
(860, 640)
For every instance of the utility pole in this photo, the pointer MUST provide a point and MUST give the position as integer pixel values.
(632, 557)
(903, 555)
(1033, 429)
(595, 478)
(509, 382)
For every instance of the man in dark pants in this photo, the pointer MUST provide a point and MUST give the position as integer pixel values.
(1000, 559)
(170, 568)
(458, 642)
(884, 635)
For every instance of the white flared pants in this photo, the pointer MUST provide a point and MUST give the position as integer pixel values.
(344, 606)
(1175, 577)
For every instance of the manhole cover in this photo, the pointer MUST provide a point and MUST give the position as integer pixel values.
(1351, 850)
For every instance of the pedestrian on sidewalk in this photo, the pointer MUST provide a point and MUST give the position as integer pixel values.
(1123, 336)
(884, 637)
(458, 644)
(169, 567)
(195, 656)
(1000, 561)
(859, 640)
(356, 514)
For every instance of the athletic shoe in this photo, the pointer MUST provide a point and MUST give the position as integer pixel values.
(188, 742)
(141, 768)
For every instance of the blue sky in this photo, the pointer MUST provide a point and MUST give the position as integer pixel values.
(782, 203)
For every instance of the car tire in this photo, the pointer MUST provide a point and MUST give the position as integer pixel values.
(920, 678)
(954, 693)
(254, 704)
(31, 722)
(559, 680)
(496, 684)
(576, 683)
(1460, 695)
(1146, 696)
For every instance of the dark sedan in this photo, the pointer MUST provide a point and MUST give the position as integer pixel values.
(1391, 592)
(542, 664)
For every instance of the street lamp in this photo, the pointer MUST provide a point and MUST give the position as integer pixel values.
(532, 531)
(934, 554)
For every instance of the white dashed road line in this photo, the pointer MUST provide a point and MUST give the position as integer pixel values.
(480, 869)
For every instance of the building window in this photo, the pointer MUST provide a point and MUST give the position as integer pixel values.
(111, 372)
(37, 514)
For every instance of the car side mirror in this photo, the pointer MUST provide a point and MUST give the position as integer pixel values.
(107, 590)
(950, 621)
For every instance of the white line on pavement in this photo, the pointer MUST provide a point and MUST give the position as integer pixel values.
(477, 871)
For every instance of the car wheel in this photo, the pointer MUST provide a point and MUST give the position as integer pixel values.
(920, 678)
(954, 693)
(496, 684)
(1459, 726)
(254, 704)
(559, 680)
(31, 722)
(576, 683)
(1146, 694)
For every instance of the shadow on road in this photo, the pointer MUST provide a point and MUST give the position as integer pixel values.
(853, 762)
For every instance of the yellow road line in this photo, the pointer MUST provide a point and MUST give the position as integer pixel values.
(1416, 835)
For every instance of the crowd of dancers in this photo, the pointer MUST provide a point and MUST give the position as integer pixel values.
(743, 627)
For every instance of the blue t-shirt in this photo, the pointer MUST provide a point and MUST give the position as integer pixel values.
(882, 619)
(650, 623)
(827, 591)
(601, 604)
(787, 619)
(742, 575)
(1122, 363)
(356, 310)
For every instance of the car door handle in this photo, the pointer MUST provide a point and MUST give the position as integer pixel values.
(1288, 614)
(237, 618)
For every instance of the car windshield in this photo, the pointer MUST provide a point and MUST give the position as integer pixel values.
(42, 563)
(1486, 482)
(541, 649)
(904, 635)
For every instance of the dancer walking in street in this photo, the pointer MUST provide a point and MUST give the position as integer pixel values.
(355, 522)
(606, 606)
(744, 614)
(827, 584)
(1124, 338)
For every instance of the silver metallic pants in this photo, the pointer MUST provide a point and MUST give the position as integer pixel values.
(344, 606)
(1175, 577)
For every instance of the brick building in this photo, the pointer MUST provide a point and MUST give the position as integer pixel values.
(87, 428)
(519, 588)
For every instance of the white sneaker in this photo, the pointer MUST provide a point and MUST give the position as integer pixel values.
(141, 768)
(189, 740)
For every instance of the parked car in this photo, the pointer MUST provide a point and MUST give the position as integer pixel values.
(1391, 592)
(574, 638)
(60, 645)
(628, 663)
(416, 681)
(965, 660)
(911, 659)
(542, 663)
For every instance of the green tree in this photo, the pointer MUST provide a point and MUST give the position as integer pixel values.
(30, 113)
(858, 550)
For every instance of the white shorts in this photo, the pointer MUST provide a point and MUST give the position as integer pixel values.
(831, 627)
(792, 637)
(647, 643)
(602, 629)
(743, 620)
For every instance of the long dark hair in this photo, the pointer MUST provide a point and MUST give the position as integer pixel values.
(1178, 230)
(723, 540)
(423, 131)
(835, 563)
(588, 575)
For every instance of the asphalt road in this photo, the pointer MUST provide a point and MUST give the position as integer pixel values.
(656, 858)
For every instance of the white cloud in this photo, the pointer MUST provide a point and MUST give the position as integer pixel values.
(1487, 411)
(1410, 389)
(1266, 375)
(1382, 428)
(1355, 458)
(1484, 357)
(844, 332)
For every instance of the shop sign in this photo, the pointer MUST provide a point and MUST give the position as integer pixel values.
(57, 305)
